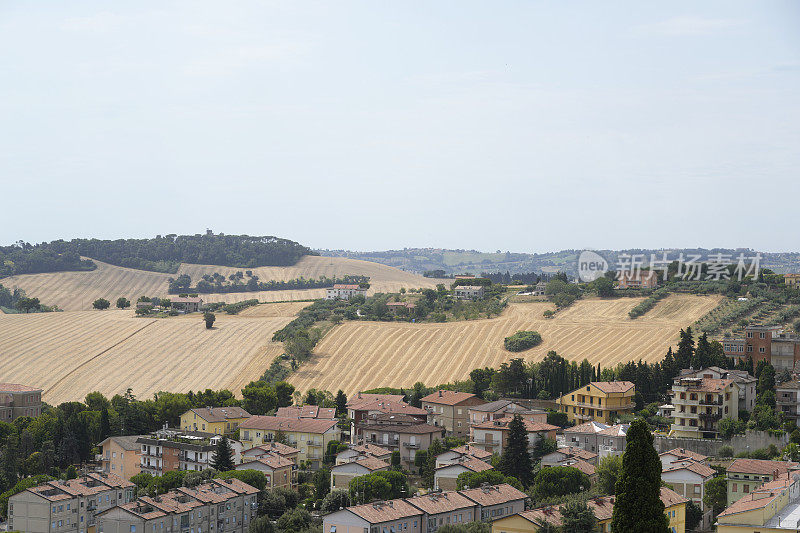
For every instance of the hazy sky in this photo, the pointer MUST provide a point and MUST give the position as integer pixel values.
(523, 126)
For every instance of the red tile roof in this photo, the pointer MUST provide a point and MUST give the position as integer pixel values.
(502, 425)
(16, 387)
(379, 512)
(580, 453)
(278, 423)
(760, 497)
(692, 466)
(388, 406)
(472, 450)
(441, 502)
(270, 460)
(447, 397)
(683, 453)
(761, 466)
(364, 397)
(307, 411)
(494, 495)
(611, 387)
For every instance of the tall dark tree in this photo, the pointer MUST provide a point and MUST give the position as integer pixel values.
(105, 424)
(516, 461)
(685, 352)
(638, 506)
(341, 403)
(223, 455)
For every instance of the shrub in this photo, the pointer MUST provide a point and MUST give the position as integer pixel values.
(522, 340)
(726, 451)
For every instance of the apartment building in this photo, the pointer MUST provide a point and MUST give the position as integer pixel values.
(169, 449)
(120, 456)
(426, 514)
(596, 438)
(503, 409)
(279, 471)
(363, 410)
(450, 410)
(700, 403)
(343, 473)
(492, 436)
(769, 343)
(603, 509)
(469, 292)
(746, 475)
(688, 478)
(307, 411)
(19, 400)
(401, 433)
(602, 401)
(747, 383)
(67, 506)
(309, 435)
(341, 291)
(220, 505)
(787, 400)
(770, 508)
(217, 420)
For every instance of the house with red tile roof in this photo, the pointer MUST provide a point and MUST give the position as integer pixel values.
(342, 474)
(567, 452)
(367, 449)
(397, 432)
(688, 478)
(771, 507)
(700, 403)
(491, 436)
(309, 435)
(307, 411)
(18, 400)
(445, 476)
(745, 475)
(450, 410)
(279, 471)
(453, 455)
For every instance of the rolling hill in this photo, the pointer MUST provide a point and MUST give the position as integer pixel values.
(362, 355)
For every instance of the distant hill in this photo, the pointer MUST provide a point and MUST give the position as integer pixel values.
(422, 260)
(159, 254)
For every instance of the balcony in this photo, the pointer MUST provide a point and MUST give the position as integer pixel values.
(710, 417)
(414, 445)
(710, 402)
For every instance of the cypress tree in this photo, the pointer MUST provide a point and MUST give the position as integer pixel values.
(223, 456)
(685, 349)
(516, 461)
(341, 403)
(638, 506)
(105, 424)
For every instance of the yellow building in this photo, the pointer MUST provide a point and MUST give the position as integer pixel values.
(700, 405)
(792, 280)
(771, 508)
(309, 435)
(602, 401)
(217, 420)
(603, 509)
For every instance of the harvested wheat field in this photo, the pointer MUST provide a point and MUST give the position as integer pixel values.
(72, 353)
(361, 355)
(75, 291)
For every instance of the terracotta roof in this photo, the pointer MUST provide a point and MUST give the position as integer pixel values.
(127, 443)
(588, 427)
(759, 497)
(440, 502)
(185, 300)
(270, 460)
(502, 424)
(345, 286)
(705, 384)
(387, 406)
(761, 466)
(16, 387)
(278, 448)
(236, 485)
(471, 450)
(580, 464)
(611, 387)
(219, 414)
(491, 407)
(413, 429)
(88, 485)
(683, 453)
(364, 397)
(494, 495)
(307, 411)
(280, 423)
(580, 453)
(469, 287)
(470, 463)
(146, 511)
(447, 397)
(788, 385)
(371, 449)
(618, 430)
(378, 512)
(692, 466)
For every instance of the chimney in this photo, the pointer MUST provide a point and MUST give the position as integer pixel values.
(440, 393)
(359, 395)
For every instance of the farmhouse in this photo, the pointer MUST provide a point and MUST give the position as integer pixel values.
(637, 279)
(469, 292)
(792, 281)
(602, 401)
(344, 292)
(187, 304)
(19, 400)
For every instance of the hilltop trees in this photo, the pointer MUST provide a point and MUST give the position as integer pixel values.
(101, 303)
(123, 303)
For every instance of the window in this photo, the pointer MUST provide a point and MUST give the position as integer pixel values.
(133, 528)
(745, 488)
(333, 529)
(761, 350)
(762, 335)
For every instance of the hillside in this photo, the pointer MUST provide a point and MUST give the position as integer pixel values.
(75, 291)
(361, 355)
(72, 353)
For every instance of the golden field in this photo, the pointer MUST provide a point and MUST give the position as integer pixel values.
(362, 355)
(72, 353)
(75, 291)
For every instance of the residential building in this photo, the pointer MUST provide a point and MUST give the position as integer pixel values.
(637, 279)
(492, 436)
(309, 435)
(767, 343)
(271, 448)
(455, 454)
(746, 475)
(169, 449)
(362, 410)
(376, 517)
(67, 506)
(217, 420)
(747, 383)
(450, 410)
(688, 478)
(612, 440)
(503, 409)
(445, 476)
(342, 291)
(341, 474)
(279, 471)
(681, 454)
(787, 400)
(443, 508)
(792, 281)
(220, 505)
(307, 411)
(602, 401)
(700, 403)
(495, 501)
(187, 304)
(401, 308)
(770, 508)
(401, 433)
(562, 454)
(469, 292)
(120, 456)
(596, 438)
(601, 506)
(361, 450)
(19, 400)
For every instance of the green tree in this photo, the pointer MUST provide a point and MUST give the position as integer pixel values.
(335, 500)
(254, 478)
(322, 482)
(123, 303)
(293, 521)
(716, 494)
(101, 303)
(341, 403)
(515, 460)
(259, 398)
(694, 514)
(223, 455)
(577, 517)
(283, 393)
(209, 319)
(638, 505)
(609, 471)
(261, 524)
(71, 473)
(603, 286)
(473, 480)
(559, 481)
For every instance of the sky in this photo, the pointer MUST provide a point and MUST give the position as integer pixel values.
(515, 125)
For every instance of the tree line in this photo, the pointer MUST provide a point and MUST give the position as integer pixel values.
(217, 283)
